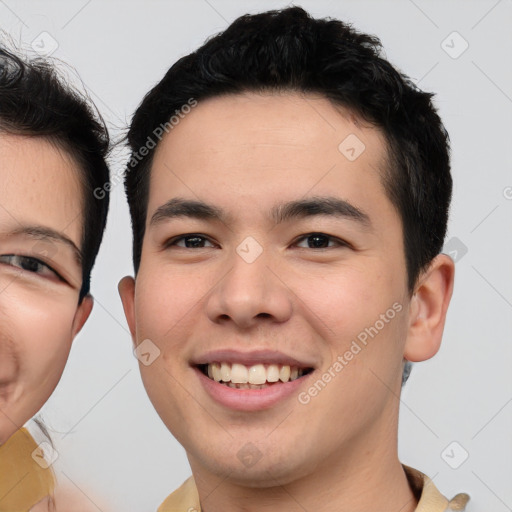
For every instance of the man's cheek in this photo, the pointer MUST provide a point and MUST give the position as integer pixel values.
(334, 310)
(166, 393)
(177, 300)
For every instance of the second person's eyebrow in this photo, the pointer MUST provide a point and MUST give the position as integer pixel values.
(302, 208)
(48, 234)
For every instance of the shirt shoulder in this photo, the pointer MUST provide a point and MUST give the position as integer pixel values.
(430, 499)
(26, 475)
(183, 499)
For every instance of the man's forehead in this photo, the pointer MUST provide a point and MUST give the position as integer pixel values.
(224, 124)
(225, 142)
(285, 113)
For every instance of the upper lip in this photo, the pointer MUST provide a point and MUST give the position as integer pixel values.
(251, 358)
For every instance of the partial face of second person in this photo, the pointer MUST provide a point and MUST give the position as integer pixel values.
(257, 277)
(41, 223)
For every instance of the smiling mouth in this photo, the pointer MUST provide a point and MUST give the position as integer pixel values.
(258, 376)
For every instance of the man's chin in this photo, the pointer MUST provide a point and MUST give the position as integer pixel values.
(250, 467)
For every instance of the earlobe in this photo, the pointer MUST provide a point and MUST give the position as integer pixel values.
(82, 314)
(126, 290)
(427, 312)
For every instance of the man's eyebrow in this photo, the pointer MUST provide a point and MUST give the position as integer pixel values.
(49, 235)
(310, 207)
(332, 206)
(178, 207)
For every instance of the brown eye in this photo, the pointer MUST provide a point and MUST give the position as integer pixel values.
(191, 241)
(319, 241)
(29, 264)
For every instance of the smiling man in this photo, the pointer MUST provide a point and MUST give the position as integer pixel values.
(289, 193)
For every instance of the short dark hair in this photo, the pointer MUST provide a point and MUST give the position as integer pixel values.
(288, 50)
(35, 101)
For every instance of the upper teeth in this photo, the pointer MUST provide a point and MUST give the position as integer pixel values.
(256, 374)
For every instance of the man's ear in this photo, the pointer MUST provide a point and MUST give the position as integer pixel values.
(126, 289)
(427, 312)
(82, 314)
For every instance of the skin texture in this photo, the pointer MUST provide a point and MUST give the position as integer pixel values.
(245, 154)
(39, 311)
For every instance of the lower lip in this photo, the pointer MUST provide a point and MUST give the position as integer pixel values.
(250, 399)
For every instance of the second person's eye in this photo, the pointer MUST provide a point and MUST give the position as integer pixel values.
(29, 264)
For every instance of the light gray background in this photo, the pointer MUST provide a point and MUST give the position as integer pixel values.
(111, 442)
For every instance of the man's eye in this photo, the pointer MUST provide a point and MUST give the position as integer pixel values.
(28, 264)
(191, 242)
(319, 241)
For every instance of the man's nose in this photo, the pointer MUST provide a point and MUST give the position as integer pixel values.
(251, 291)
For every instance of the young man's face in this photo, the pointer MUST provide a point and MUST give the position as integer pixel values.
(295, 254)
(41, 226)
